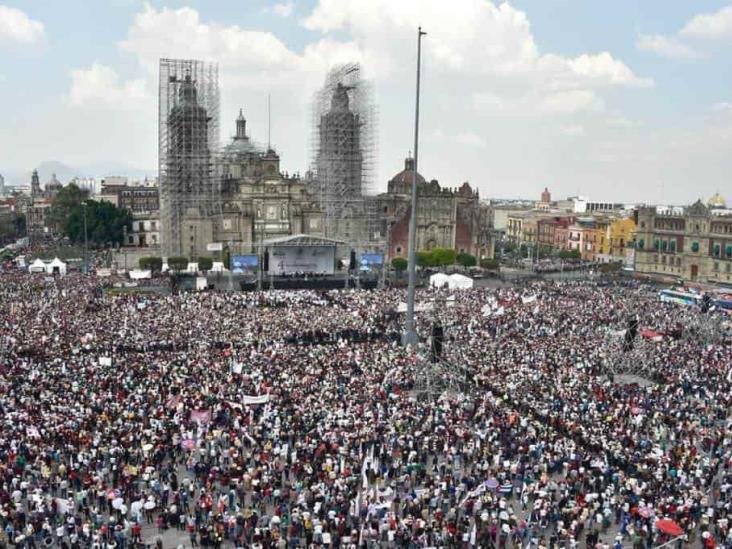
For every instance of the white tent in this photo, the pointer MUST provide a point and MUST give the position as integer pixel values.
(439, 280)
(56, 267)
(38, 266)
(192, 267)
(460, 282)
(218, 267)
(201, 283)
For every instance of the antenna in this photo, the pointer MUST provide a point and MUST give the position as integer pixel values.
(269, 121)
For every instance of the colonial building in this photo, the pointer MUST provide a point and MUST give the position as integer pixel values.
(694, 243)
(258, 201)
(446, 218)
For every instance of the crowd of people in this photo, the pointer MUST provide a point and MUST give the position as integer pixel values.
(296, 419)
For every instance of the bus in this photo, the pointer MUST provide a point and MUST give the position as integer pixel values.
(680, 297)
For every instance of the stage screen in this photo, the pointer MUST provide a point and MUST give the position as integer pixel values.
(302, 259)
(244, 263)
(371, 261)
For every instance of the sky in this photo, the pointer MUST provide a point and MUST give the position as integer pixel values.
(623, 101)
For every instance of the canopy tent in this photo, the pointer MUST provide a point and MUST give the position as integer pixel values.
(460, 282)
(56, 266)
(38, 266)
(453, 281)
(439, 280)
(192, 267)
(218, 267)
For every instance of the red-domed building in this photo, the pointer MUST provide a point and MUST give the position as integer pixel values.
(446, 217)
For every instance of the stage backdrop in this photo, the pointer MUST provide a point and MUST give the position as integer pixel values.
(302, 259)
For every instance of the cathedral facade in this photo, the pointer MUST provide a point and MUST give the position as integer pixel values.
(450, 218)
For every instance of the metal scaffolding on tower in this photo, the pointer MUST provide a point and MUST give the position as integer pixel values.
(188, 138)
(344, 157)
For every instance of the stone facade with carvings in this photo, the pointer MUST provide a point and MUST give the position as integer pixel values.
(446, 218)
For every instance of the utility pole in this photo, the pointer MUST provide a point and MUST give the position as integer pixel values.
(86, 242)
(410, 336)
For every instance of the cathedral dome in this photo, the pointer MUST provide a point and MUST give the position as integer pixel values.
(717, 201)
(405, 176)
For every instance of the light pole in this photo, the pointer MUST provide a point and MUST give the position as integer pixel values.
(410, 336)
(86, 243)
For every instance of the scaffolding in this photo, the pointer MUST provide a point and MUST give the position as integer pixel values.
(344, 157)
(188, 138)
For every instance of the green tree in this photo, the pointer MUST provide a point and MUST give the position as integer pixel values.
(105, 223)
(399, 264)
(177, 263)
(466, 260)
(67, 199)
(154, 264)
(490, 264)
(569, 254)
(424, 259)
(205, 263)
(442, 257)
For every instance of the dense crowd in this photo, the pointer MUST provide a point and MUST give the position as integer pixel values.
(295, 419)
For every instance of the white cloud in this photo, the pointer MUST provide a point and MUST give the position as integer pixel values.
(665, 46)
(100, 85)
(724, 107)
(16, 26)
(711, 26)
(471, 139)
(283, 9)
(570, 102)
(573, 130)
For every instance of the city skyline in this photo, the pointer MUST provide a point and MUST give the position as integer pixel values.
(624, 103)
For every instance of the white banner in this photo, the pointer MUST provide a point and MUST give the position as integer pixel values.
(214, 247)
(262, 399)
(105, 360)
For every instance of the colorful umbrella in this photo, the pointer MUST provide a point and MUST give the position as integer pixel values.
(669, 527)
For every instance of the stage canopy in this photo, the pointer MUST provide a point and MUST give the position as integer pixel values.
(302, 253)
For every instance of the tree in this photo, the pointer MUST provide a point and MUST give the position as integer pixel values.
(569, 254)
(399, 264)
(205, 263)
(177, 263)
(67, 199)
(466, 260)
(424, 259)
(442, 257)
(105, 223)
(154, 264)
(490, 264)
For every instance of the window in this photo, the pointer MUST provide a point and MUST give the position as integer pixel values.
(664, 245)
(641, 243)
(717, 250)
(728, 251)
(694, 246)
(672, 246)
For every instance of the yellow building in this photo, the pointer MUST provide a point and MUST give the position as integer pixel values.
(621, 234)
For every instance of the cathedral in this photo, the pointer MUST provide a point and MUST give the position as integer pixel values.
(446, 218)
(257, 201)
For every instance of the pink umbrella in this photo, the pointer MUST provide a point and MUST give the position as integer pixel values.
(645, 512)
(188, 444)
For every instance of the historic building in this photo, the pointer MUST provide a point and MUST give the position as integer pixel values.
(446, 218)
(258, 201)
(693, 243)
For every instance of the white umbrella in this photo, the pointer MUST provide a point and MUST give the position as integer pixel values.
(117, 503)
(149, 505)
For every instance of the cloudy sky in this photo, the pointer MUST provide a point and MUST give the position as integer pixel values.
(627, 100)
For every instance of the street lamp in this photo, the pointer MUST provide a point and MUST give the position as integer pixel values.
(86, 242)
(410, 336)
